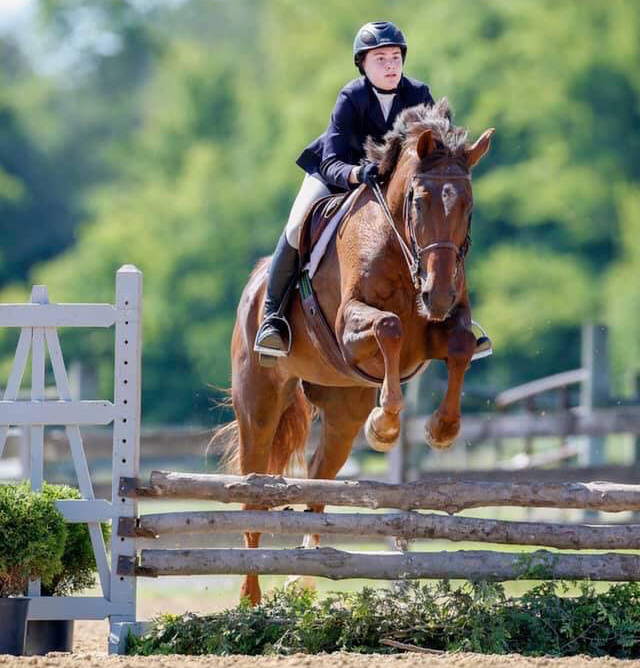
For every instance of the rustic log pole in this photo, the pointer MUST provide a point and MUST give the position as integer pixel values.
(448, 495)
(337, 565)
(405, 525)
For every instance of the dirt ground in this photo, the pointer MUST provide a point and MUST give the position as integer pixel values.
(90, 651)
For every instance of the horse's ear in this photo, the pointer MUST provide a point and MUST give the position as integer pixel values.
(426, 144)
(479, 147)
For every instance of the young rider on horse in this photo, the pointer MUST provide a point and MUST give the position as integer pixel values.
(365, 107)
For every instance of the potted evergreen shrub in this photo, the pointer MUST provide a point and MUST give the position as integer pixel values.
(32, 540)
(77, 573)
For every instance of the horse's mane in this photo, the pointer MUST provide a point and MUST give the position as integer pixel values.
(407, 128)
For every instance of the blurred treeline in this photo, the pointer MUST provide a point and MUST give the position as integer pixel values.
(165, 135)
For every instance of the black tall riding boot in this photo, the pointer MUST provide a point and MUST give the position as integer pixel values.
(282, 273)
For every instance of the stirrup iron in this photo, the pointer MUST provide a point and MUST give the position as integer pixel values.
(482, 353)
(274, 352)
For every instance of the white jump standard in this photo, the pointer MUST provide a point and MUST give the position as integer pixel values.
(39, 321)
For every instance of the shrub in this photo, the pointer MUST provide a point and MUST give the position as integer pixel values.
(32, 538)
(475, 617)
(78, 561)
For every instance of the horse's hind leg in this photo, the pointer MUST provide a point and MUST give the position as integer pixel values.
(262, 401)
(343, 411)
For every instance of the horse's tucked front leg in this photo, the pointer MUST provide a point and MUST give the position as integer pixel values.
(444, 424)
(365, 331)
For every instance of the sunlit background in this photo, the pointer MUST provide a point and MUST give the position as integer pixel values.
(165, 134)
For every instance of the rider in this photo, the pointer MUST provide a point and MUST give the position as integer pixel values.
(365, 107)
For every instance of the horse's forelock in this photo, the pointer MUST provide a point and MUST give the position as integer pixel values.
(408, 127)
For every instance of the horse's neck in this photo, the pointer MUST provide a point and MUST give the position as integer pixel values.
(372, 264)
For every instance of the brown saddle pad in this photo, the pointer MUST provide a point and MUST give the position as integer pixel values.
(316, 219)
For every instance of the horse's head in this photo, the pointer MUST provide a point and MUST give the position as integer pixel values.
(428, 163)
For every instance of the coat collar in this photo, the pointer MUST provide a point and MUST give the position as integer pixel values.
(374, 105)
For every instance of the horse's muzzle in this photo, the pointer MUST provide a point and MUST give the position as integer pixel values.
(438, 306)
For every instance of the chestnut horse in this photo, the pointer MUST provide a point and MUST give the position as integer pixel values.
(390, 313)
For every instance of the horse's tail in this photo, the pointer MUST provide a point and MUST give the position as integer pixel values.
(287, 455)
(226, 439)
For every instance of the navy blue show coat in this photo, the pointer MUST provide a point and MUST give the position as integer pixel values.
(356, 116)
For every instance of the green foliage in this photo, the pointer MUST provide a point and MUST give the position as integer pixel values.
(32, 538)
(534, 305)
(169, 141)
(475, 617)
(78, 567)
(623, 290)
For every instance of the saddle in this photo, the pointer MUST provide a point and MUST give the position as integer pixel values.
(316, 219)
(316, 233)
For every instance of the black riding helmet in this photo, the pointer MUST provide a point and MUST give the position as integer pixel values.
(374, 35)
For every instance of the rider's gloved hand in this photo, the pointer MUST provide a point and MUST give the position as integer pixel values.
(368, 173)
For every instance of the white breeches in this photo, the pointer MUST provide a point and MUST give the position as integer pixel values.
(312, 189)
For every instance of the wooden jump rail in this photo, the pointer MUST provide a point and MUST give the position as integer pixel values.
(407, 525)
(450, 496)
(337, 564)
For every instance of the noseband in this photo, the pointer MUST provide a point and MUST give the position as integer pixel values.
(413, 253)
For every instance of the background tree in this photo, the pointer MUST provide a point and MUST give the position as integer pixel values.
(167, 137)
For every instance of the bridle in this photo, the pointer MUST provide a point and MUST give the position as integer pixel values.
(413, 252)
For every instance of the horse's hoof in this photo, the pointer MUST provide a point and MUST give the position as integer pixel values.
(444, 437)
(380, 442)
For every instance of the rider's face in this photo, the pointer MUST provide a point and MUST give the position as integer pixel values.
(383, 66)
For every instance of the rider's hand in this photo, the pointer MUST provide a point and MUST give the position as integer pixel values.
(368, 173)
